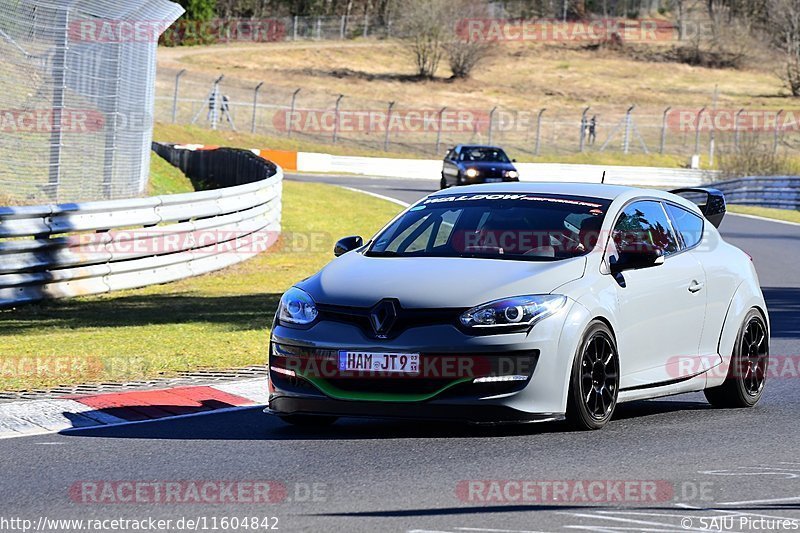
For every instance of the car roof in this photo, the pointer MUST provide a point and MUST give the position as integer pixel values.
(473, 146)
(590, 190)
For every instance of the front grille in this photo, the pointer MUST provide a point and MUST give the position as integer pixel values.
(406, 318)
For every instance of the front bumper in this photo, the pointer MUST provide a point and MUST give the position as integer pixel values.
(548, 347)
(475, 414)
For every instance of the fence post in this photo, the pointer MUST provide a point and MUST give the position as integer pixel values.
(216, 103)
(439, 132)
(626, 142)
(697, 132)
(342, 26)
(664, 130)
(388, 127)
(292, 111)
(336, 119)
(255, 105)
(366, 25)
(583, 129)
(736, 131)
(294, 27)
(538, 150)
(59, 66)
(777, 132)
(175, 95)
(319, 28)
(491, 124)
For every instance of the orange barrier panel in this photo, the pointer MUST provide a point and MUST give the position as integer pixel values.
(285, 159)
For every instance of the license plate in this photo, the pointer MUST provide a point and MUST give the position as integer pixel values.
(384, 363)
(493, 180)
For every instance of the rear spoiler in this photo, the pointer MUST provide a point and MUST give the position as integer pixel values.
(710, 201)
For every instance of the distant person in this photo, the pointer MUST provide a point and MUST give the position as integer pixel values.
(593, 130)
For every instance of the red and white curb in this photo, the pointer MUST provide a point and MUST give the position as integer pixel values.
(39, 417)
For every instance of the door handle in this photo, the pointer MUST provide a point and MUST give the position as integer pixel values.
(696, 287)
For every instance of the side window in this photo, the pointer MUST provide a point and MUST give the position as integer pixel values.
(689, 225)
(645, 223)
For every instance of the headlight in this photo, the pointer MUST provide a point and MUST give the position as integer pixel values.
(297, 308)
(472, 173)
(513, 312)
(513, 174)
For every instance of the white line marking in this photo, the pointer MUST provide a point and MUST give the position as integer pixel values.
(498, 530)
(765, 219)
(614, 529)
(754, 502)
(631, 521)
(376, 195)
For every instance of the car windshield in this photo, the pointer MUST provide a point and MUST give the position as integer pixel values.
(528, 227)
(487, 155)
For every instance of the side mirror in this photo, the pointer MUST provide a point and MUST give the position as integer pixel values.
(638, 256)
(513, 160)
(348, 244)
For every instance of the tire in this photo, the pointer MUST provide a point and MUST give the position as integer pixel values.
(443, 184)
(593, 392)
(747, 376)
(309, 421)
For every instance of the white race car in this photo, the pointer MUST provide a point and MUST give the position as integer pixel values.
(525, 302)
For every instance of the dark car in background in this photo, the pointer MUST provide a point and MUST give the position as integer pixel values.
(472, 164)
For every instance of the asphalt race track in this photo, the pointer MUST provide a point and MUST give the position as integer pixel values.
(401, 476)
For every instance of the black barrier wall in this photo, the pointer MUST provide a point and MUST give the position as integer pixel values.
(780, 192)
(217, 168)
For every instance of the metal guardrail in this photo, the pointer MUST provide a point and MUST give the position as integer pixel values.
(68, 250)
(780, 192)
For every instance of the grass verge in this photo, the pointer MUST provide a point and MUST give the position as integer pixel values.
(786, 215)
(213, 322)
(166, 179)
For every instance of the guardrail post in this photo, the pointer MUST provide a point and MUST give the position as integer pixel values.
(290, 126)
(697, 132)
(491, 124)
(538, 150)
(777, 132)
(582, 145)
(175, 95)
(336, 119)
(664, 130)
(439, 131)
(388, 127)
(255, 105)
(626, 142)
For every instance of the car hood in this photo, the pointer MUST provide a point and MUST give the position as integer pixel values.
(487, 165)
(356, 280)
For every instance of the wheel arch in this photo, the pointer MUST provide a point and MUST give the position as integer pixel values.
(747, 297)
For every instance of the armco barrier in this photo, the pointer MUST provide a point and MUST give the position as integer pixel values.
(780, 192)
(67, 250)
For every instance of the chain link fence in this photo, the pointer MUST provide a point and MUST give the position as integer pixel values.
(76, 97)
(326, 118)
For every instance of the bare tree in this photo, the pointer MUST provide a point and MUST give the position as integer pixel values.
(784, 25)
(427, 26)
